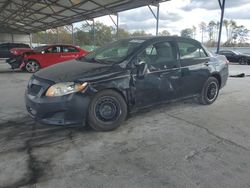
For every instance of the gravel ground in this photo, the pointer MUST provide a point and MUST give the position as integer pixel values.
(182, 144)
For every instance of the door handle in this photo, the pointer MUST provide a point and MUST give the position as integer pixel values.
(206, 63)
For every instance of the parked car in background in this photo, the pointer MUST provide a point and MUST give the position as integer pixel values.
(5, 49)
(44, 56)
(101, 88)
(234, 56)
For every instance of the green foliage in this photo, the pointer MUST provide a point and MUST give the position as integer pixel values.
(139, 34)
(188, 33)
(87, 35)
(164, 33)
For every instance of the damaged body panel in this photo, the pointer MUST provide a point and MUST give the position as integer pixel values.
(126, 75)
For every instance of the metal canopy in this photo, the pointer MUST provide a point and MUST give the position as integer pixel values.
(30, 16)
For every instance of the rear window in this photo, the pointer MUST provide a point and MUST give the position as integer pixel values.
(69, 49)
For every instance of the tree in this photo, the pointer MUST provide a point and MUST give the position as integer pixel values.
(139, 33)
(188, 33)
(164, 33)
(240, 33)
(203, 28)
(232, 26)
(211, 30)
(103, 33)
(226, 24)
(122, 33)
(194, 32)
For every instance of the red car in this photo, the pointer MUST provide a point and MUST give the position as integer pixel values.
(45, 56)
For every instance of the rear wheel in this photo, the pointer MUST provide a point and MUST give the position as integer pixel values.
(210, 91)
(107, 111)
(32, 66)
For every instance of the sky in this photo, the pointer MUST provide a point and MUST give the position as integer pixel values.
(176, 15)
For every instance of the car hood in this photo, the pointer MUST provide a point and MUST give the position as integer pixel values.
(77, 70)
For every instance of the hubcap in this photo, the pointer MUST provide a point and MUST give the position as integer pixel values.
(212, 91)
(32, 66)
(107, 109)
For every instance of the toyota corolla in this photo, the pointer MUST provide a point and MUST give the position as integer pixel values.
(101, 88)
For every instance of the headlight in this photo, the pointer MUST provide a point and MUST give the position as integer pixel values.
(66, 88)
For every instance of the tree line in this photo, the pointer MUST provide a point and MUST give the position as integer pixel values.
(87, 35)
(236, 35)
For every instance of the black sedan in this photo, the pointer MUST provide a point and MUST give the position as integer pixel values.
(101, 88)
(234, 56)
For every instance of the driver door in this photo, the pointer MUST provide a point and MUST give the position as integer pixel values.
(51, 56)
(161, 79)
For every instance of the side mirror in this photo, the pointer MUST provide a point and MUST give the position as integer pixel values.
(142, 68)
(43, 52)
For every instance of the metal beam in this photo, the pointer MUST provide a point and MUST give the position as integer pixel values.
(116, 24)
(73, 39)
(222, 7)
(156, 16)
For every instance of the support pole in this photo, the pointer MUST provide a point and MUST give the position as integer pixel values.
(117, 26)
(93, 26)
(57, 35)
(157, 19)
(30, 37)
(222, 7)
(156, 16)
(72, 34)
(12, 37)
(93, 29)
(47, 37)
(115, 23)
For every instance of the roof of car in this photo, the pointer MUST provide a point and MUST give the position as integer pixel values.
(13, 43)
(162, 37)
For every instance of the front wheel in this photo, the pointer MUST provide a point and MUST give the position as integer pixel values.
(32, 66)
(210, 91)
(107, 111)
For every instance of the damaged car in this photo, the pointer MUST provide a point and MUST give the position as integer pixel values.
(122, 77)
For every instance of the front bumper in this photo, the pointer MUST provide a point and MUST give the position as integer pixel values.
(15, 62)
(65, 110)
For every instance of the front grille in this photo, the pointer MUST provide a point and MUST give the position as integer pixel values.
(38, 86)
(34, 89)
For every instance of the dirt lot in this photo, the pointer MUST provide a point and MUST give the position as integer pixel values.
(178, 145)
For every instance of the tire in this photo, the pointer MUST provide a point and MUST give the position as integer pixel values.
(107, 111)
(32, 66)
(243, 61)
(209, 91)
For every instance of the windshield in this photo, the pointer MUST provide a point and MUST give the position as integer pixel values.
(236, 52)
(114, 52)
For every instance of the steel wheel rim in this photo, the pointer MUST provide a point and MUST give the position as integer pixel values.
(212, 91)
(32, 66)
(107, 109)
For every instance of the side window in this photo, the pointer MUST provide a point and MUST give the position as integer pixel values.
(229, 53)
(188, 51)
(53, 49)
(24, 46)
(150, 50)
(66, 49)
(4, 47)
(159, 56)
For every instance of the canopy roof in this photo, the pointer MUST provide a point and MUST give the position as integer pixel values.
(30, 16)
